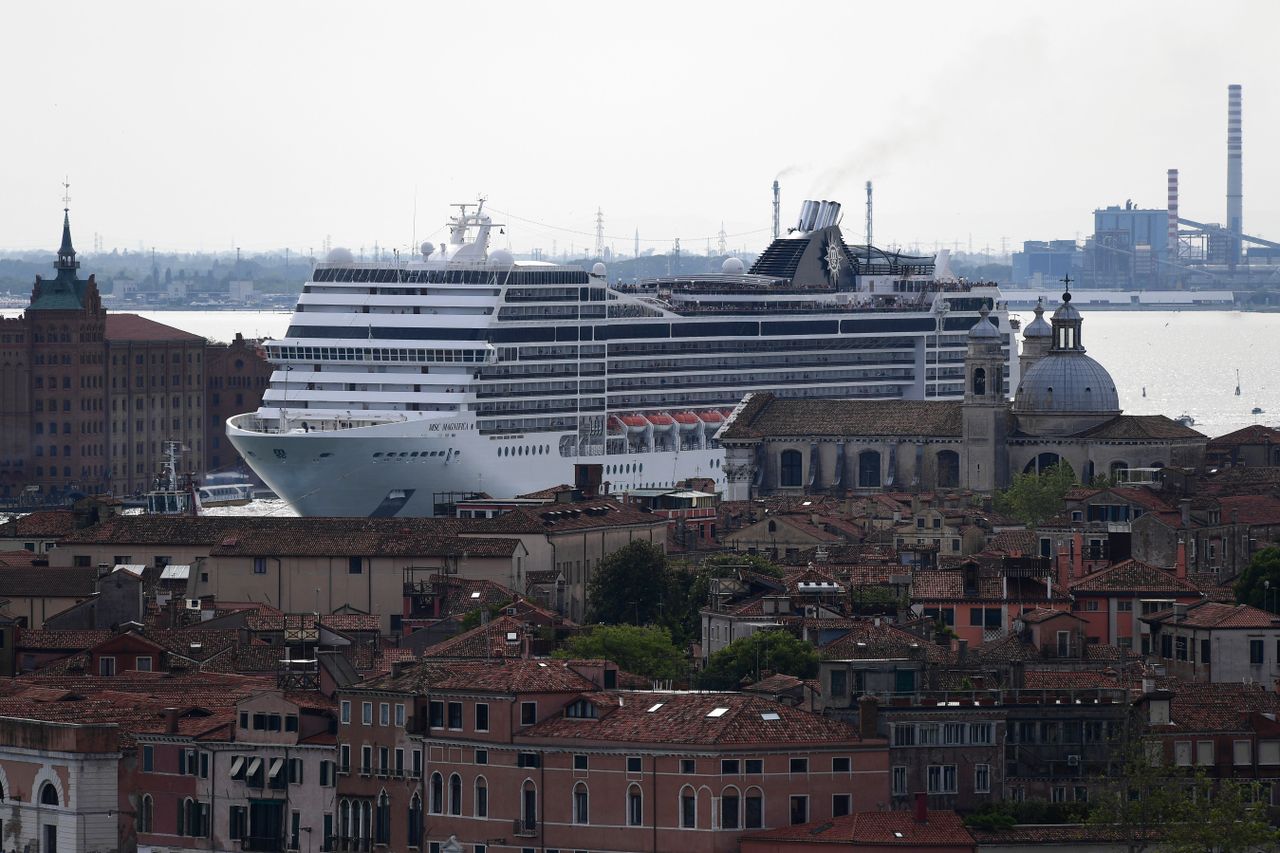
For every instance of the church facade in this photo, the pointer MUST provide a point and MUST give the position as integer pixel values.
(1065, 411)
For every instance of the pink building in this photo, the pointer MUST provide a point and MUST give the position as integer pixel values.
(1113, 601)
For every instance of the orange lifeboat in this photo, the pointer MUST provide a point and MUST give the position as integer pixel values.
(634, 423)
(616, 427)
(687, 421)
(661, 421)
(711, 418)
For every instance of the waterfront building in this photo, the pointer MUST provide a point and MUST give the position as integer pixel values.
(236, 375)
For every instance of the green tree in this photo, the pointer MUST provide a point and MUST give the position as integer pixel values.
(1263, 569)
(634, 585)
(646, 651)
(764, 651)
(1031, 497)
(473, 617)
(1151, 805)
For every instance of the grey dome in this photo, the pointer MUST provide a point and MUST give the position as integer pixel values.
(984, 329)
(1038, 328)
(1067, 383)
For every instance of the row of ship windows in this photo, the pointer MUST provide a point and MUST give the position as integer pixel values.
(415, 454)
(375, 354)
(525, 450)
(454, 276)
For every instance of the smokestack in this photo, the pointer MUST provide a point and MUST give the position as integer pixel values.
(868, 221)
(1235, 189)
(777, 210)
(1173, 215)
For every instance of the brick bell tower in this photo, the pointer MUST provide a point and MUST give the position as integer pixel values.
(985, 409)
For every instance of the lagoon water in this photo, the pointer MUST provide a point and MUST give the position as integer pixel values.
(1186, 360)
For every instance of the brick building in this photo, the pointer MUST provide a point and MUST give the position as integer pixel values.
(236, 375)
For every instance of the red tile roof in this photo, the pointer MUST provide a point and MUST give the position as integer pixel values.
(1133, 576)
(889, 829)
(44, 582)
(20, 559)
(1252, 434)
(1140, 427)
(555, 518)
(132, 327)
(483, 642)
(867, 641)
(686, 718)
(1250, 509)
(1215, 706)
(1216, 615)
(765, 415)
(42, 523)
(502, 676)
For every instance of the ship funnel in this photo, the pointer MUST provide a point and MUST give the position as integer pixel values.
(804, 216)
(834, 215)
(824, 209)
(1235, 187)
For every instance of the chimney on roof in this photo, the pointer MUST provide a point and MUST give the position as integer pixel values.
(868, 717)
(962, 651)
(1077, 554)
(1180, 560)
(1017, 675)
(922, 807)
(1184, 510)
(397, 668)
(171, 721)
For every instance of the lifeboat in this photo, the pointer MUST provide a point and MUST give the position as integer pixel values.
(661, 421)
(711, 418)
(634, 423)
(616, 426)
(687, 421)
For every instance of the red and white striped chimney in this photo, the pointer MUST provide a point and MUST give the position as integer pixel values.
(1173, 215)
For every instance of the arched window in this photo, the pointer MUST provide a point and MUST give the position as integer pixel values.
(635, 806)
(437, 793)
(344, 819)
(979, 382)
(789, 468)
(730, 804)
(455, 794)
(1043, 463)
(688, 808)
(146, 808)
(184, 816)
(366, 819)
(869, 469)
(529, 806)
(482, 797)
(753, 809)
(773, 526)
(382, 824)
(581, 804)
(415, 821)
(1117, 467)
(948, 469)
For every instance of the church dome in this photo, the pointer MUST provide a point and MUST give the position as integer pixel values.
(1038, 328)
(984, 329)
(1067, 383)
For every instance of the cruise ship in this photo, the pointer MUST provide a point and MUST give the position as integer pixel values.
(402, 387)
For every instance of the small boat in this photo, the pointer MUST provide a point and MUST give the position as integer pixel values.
(1237, 383)
(1186, 420)
(227, 494)
(1257, 410)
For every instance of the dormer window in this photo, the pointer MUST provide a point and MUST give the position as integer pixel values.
(581, 710)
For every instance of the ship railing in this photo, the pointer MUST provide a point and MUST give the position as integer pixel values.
(309, 424)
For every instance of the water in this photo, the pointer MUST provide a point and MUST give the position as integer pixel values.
(1186, 360)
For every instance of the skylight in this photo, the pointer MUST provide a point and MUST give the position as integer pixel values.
(656, 706)
(897, 834)
(770, 716)
(718, 712)
(475, 594)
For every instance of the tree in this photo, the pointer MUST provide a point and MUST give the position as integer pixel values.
(1152, 805)
(1031, 497)
(633, 585)
(1264, 568)
(646, 651)
(693, 587)
(764, 651)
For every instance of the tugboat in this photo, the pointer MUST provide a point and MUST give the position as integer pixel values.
(170, 497)
(1186, 420)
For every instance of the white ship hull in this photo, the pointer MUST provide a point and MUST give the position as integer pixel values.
(406, 468)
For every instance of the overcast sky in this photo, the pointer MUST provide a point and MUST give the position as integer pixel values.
(198, 125)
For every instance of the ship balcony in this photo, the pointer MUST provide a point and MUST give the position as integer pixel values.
(250, 422)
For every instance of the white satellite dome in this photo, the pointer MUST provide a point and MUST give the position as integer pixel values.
(732, 266)
(339, 255)
(427, 249)
(598, 270)
(501, 258)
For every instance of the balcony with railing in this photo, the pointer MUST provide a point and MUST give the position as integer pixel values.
(524, 827)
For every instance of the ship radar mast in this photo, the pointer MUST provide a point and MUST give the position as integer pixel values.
(478, 249)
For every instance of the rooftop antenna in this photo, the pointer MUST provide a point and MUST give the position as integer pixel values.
(413, 244)
(599, 233)
(723, 240)
(776, 210)
(868, 220)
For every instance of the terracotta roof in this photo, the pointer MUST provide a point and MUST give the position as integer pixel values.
(1044, 614)
(765, 415)
(1133, 576)
(881, 829)
(20, 559)
(1250, 509)
(867, 641)
(43, 523)
(132, 327)
(547, 494)
(483, 641)
(1015, 543)
(501, 676)
(1067, 679)
(1216, 706)
(1140, 427)
(46, 582)
(1213, 614)
(1252, 434)
(74, 640)
(696, 719)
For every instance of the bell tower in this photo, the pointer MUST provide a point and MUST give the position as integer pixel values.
(985, 409)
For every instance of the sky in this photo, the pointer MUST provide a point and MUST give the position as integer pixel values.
(214, 125)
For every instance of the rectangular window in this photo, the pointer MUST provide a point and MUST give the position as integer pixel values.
(528, 713)
(981, 778)
(482, 717)
(904, 734)
(1058, 794)
(927, 735)
(482, 756)
(398, 767)
(344, 758)
(326, 774)
(755, 765)
(366, 713)
(688, 766)
(384, 756)
(579, 762)
(941, 778)
(142, 663)
(729, 805)
(1269, 752)
(455, 715)
(259, 565)
(148, 758)
(899, 780)
(841, 804)
(688, 811)
(400, 715)
(1255, 651)
(799, 809)
(839, 682)
(366, 760)
(106, 665)
(1124, 606)
(355, 565)
(295, 771)
(1091, 604)
(840, 764)
(729, 766)
(981, 733)
(953, 733)
(799, 765)
(345, 710)
(384, 714)
(634, 764)
(1182, 753)
(1241, 752)
(435, 714)
(1204, 753)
